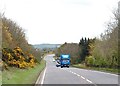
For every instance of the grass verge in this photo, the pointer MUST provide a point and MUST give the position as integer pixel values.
(109, 70)
(22, 76)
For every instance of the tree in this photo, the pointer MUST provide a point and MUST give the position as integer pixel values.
(69, 48)
(106, 51)
(85, 48)
(14, 36)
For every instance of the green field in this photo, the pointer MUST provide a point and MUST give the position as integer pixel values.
(22, 76)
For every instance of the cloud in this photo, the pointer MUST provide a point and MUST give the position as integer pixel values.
(59, 21)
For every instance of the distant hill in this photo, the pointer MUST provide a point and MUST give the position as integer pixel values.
(46, 46)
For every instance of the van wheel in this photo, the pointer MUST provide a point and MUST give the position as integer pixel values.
(61, 66)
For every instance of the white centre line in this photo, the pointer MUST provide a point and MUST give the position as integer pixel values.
(80, 76)
(89, 81)
(77, 74)
(43, 76)
(72, 72)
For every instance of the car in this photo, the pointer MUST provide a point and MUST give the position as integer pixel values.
(53, 60)
(57, 63)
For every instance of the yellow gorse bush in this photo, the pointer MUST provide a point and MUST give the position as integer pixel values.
(17, 58)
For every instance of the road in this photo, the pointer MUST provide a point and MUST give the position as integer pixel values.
(57, 75)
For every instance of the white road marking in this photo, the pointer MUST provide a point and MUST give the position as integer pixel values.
(103, 72)
(82, 77)
(77, 74)
(99, 72)
(43, 76)
(89, 81)
(72, 72)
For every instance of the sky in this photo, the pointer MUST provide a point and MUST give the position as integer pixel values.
(59, 21)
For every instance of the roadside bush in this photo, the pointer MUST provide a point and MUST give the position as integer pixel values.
(17, 58)
(89, 61)
(101, 62)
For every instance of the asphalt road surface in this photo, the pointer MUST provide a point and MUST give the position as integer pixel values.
(58, 75)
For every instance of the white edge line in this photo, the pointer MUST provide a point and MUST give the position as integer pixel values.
(43, 76)
(103, 72)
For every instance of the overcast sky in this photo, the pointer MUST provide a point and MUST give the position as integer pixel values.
(59, 21)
